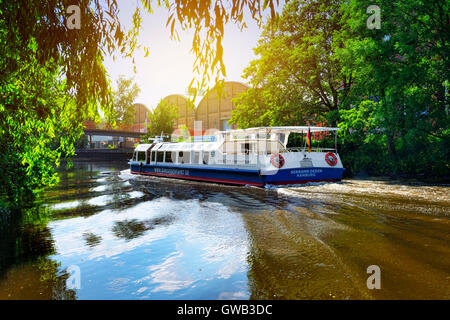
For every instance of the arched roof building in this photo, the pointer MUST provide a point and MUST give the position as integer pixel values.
(186, 110)
(213, 110)
(140, 118)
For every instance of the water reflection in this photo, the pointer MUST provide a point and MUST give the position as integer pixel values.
(26, 272)
(91, 239)
(151, 238)
(130, 229)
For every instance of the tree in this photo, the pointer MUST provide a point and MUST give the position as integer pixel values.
(35, 112)
(298, 76)
(52, 77)
(401, 71)
(208, 18)
(124, 96)
(162, 119)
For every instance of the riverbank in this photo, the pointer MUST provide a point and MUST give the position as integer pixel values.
(122, 154)
(404, 178)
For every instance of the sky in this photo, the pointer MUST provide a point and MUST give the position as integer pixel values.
(168, 68)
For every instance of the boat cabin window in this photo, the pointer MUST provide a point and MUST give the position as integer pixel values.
(205, 157)
(141, 156)
(169, 157)
(184, 157)
(160, 156)
(196, 157)
(245, 148)
(263, 136)
(153, 156)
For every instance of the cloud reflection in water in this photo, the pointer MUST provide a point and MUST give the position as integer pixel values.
(165, 248)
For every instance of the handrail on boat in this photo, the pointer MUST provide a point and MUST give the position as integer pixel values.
(314, 149)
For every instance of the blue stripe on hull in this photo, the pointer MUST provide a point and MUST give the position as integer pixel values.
(238, 176)
(223, 175)
(301, 175)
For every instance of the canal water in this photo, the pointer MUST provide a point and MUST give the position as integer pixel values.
(103, 233)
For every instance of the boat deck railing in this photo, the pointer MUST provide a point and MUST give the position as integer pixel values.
(315, 149)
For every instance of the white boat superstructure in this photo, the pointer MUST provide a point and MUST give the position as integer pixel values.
(255, 156)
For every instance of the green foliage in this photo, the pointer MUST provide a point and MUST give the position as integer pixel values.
(399, 102)
(207, 19)
(385, 88)
(297, 76)
(124, 96)
(82, 142)
(52, 77)
(162, 119)
(34, 113)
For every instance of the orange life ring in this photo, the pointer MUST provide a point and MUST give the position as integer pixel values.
(331, 159)
(277, 160)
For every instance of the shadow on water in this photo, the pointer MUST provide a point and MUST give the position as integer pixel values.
(26, 272)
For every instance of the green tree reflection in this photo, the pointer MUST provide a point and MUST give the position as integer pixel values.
(26, 271)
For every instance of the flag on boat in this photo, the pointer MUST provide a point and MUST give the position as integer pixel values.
(308, 139)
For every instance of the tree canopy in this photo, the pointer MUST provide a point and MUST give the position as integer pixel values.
(297, 76)
(162, 119)
(124, 96)
(386, 88)
(399, 99)
(52, 77)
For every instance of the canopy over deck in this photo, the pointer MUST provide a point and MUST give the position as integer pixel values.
(300, 129)
(142, 147)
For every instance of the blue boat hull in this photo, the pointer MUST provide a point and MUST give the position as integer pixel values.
(239, 176)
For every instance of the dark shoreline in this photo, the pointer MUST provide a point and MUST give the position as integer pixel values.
(120, 155)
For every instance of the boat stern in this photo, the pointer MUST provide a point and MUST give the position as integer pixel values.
(301, 167)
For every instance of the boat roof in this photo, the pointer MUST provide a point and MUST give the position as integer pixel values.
(142, 147)
(178, 146)
(300, 129)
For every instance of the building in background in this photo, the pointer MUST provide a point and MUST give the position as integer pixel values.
(186, 110)
(103, 136)
(213, 110)
(140, 118)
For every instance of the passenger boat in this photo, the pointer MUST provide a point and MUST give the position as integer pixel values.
(254, 156)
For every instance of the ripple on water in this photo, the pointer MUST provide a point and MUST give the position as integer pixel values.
(148, 238)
